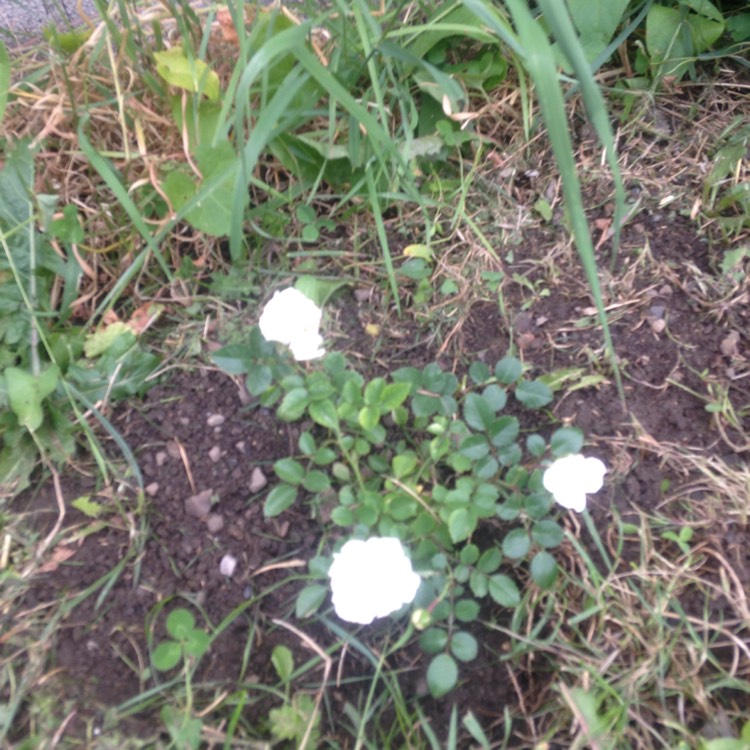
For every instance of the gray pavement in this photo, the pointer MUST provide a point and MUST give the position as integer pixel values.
(23, 20)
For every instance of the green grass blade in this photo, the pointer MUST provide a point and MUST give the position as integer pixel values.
(561, 25)
(539, 61)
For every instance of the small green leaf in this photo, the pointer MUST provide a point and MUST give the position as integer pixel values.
(535, 445)
(566, 441)
(479, 372)
(442, 675)
(324, 414)
(180, 623)
(192, 75)
(26, 393)
(342, 516)
(461, 524)
(293, 405)
(474, 447)
(393, 395)
(306, 443)
(404, 464)
(279, 499)
(533, 394)
(290, 471)
(167, 655)
(490, 560)
(516, 544)
(547, 534)
(508, 370)
(495, 396)
(543, 569)
(466, 610)
(433, 640)
(469, 554)
(316, 481)
(368, 417)
(197, 643)
(283, 662)
(309, 600)
(477, 412)
(87, 506)
(464, 646)
(259, 379)
(479, 584)
(504, 590)
(504, 431)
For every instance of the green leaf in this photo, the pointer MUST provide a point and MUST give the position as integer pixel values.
(433, 640)
(404, 464)
(543, 569)
(504, 431)
(495, 396)
(474, 447)
(167, 655)
(316, 481)
(464, 646)
(4, 79)
(309, 600)
(26, 393)
(508, 370)
(87, 506)
(533, 394)
(306, 443)
(469, 554)
(442, 675)
(596, 23)
(504, 590)
(461, 524)
(535, 445)
(490, 560)
(477, 412)
(283, 662)
(466, 610)
(191, 75)
(479, 372)
(368, 417)
(289, 470)
(259, 379)
(516, 544)
(180, 623)
(547, 534)
(324, 414)
(565, 441)
(279, 499)
(393, 395)
(342, 516)
(293, 405)
(197, 643)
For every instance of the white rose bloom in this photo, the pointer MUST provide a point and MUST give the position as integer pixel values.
(292, 319)
(371, 579)
(571, 478)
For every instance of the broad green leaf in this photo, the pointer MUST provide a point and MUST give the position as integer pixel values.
(479, 584)
(464, 646)
(495, 396)
(466, 610)
(547, 533)
(167, 655)
(469, 554)
(393, 395)
(289, 470)
(490, 560)
(479, 372)
(442, 675)
(180, 623)
(533, 394)
(293, 405)
(404, 464)
(508, 370)
(474, 447)
(26, 393)
(309, 600)
(342, 516)
(433, 640)
(105, 338)
(374, 391)
(504, 590)
(516, 544)
(192, 75)
(316, 481)
(306, 443)
(535, 445)
(259, 379)
(368, 417)
(197, 643)
(566, 441)
(477, 412)
(279, 499)
(504, 431)
(461, 524)
(596, 23)
(324, 414)
(543, 569)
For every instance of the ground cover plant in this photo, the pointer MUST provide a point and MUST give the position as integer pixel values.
(288, 291)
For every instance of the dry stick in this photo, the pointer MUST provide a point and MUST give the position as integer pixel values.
(61, 511)
(326, 672)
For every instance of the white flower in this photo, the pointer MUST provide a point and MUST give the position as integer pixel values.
(371, 579)
(293, 320)
(571, 478)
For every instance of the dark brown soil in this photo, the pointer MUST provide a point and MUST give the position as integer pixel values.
(193, 435)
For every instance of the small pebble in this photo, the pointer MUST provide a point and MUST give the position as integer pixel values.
(215, 523)
(257, 480)
(152, 489)
(161, 458)
(228, 565)
(173, 449)
(199, 505)
(215, 454)
(214, 420)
